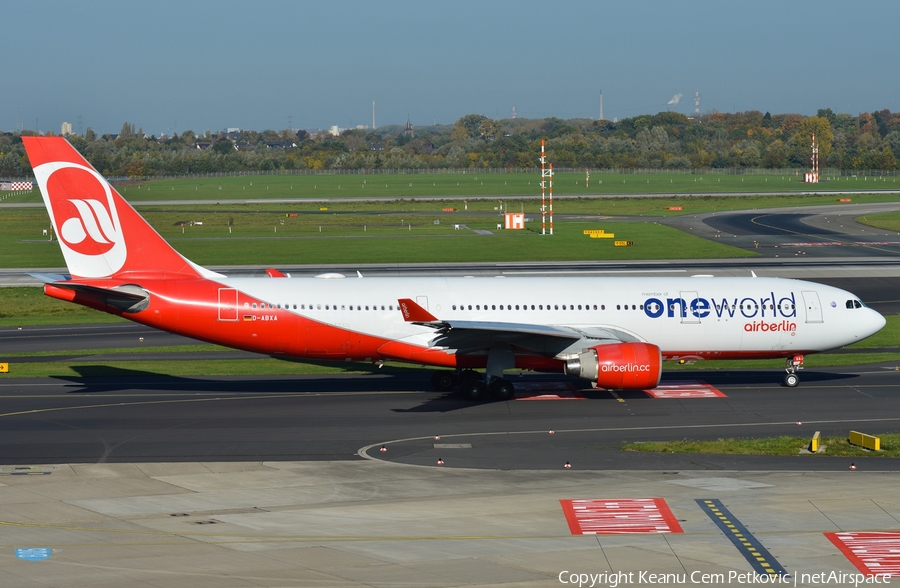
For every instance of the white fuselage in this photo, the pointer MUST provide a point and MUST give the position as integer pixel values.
(699, 317)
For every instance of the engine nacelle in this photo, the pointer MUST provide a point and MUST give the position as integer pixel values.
(619, 366)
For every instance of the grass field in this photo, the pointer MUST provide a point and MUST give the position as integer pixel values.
(237, 234)
(474, 184)
(835, 445)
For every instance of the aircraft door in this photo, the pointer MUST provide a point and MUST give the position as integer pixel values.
(228, 304)
(813, 308)
(689, 316)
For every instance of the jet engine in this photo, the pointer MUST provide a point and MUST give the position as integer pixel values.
(617, 366)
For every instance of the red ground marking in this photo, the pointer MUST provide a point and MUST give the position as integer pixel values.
(616, 517)
(685, 389)
(871, 553)
(546, 391)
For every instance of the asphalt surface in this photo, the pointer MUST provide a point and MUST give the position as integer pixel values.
(147, 417)
(142, 417)
(815, 231)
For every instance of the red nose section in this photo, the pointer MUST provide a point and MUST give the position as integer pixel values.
(628, 366)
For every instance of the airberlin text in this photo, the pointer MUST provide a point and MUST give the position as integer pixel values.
(628, 367)
(615, 579)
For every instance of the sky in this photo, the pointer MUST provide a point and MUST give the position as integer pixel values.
(169, 66)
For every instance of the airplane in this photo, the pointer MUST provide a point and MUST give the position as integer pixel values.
(612, 331)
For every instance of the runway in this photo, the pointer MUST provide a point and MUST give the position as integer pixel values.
(144, 417)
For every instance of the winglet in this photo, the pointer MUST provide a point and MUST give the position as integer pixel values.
(413, 313)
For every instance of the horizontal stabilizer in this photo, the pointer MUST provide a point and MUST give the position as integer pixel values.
(50, 278)
(128, 298)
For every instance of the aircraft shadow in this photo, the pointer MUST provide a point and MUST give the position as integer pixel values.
(102, 378)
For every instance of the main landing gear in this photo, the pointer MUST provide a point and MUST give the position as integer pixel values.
(476, 387)
(793, 365)
(472, 385)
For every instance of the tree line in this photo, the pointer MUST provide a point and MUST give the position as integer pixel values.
(667, 140)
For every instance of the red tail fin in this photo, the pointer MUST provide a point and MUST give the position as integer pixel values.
(99, 233)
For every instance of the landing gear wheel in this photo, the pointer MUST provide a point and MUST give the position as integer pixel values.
(502, 389)
(473, 390)
(443, 381)
(467, 376)
(791, 380)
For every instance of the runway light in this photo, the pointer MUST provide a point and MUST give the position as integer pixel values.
(852, 466)
(141, 339)
(568, 466)
(437, 437)
(440, 461)
(551, 431)
(383, 449)
(799, 423)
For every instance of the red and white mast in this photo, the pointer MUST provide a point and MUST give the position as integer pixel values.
(551, 198)
(543, 197)
(813, 177)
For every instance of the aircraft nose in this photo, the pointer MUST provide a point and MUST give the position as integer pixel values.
(876, 322)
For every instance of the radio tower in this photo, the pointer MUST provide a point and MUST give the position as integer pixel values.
(546, 173)
(551, 198)
(601, 104)
(514, 112)
(697, 105)
(813, 178)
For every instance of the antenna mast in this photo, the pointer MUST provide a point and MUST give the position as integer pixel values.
(543, 199)
(813, 177)
(697, 105)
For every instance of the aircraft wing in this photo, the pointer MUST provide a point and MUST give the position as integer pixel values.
(471, 336)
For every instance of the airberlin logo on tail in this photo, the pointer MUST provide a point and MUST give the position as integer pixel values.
(94, 222)
(83, 211)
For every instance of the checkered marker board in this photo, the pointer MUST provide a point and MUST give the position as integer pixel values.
(15, 186)
(619, 516)
(685, 389)
(871, 553)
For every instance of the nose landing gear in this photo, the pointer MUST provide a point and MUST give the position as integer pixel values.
(793, 365)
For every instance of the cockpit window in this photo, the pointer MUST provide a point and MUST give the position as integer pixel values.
(855, 304)
(849, 304)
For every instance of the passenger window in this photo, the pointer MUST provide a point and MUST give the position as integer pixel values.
(246, 305)
(254, 305)
(602, 307)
